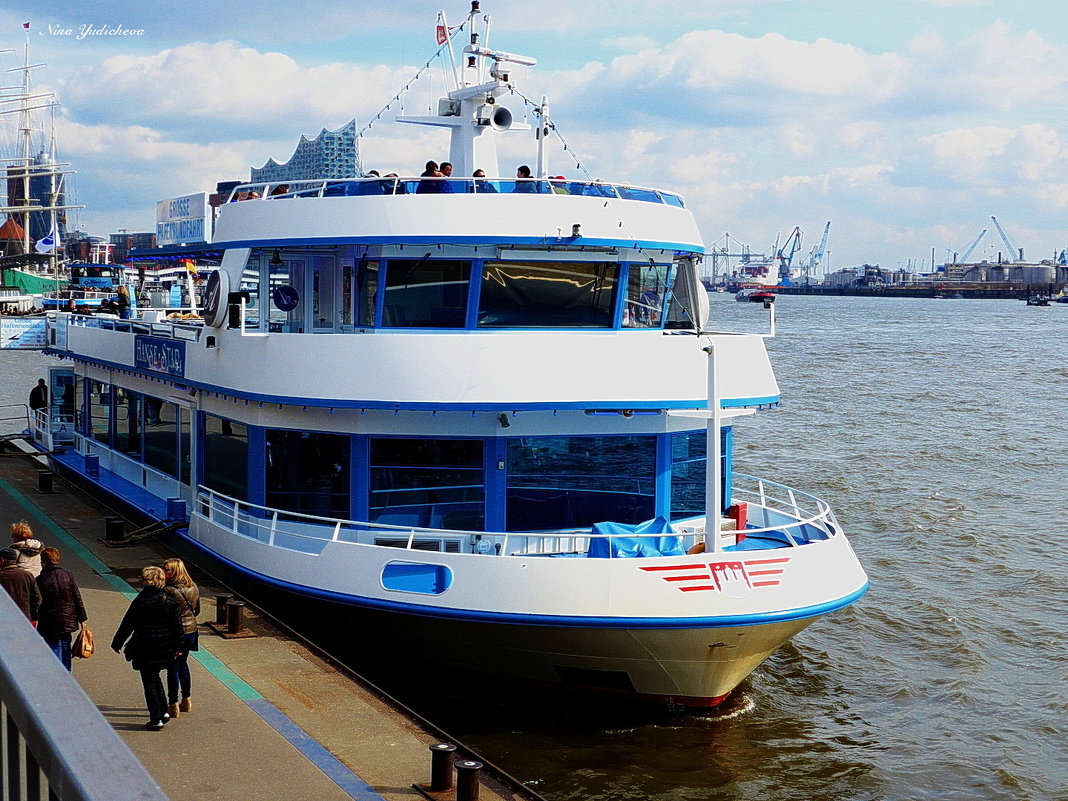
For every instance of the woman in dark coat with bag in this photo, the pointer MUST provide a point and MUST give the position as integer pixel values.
(62, 611)
(153, 626)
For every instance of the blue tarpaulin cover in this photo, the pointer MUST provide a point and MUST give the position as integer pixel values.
(628, 542)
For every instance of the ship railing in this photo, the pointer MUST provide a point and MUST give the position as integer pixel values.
(778, 517)
(187, 330)
(14, 418)
(394, 185)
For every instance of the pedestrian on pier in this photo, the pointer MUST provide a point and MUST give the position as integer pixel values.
(28, 547)
(187, 596)
(62, 611)
(19, 583)
(153, 627)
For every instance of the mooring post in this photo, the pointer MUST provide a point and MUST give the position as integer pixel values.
(234, 623)
(467, 780)
(44, 482)
(441, 767)
(114, 529)
(220, 608)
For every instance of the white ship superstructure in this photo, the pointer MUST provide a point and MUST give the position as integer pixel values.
(487, 416)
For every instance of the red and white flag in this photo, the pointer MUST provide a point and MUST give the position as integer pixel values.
(442, 34)
(26, 25)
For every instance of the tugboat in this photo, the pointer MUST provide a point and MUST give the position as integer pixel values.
(755, 294)
(484, 419)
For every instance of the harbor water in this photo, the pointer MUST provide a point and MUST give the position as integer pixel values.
(935, 429)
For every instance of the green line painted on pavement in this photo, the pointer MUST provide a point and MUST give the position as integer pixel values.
(210, 662)
(68, 541)
(227, 677)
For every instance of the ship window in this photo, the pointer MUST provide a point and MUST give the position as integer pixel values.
(571, 482)
(308, 472)
(128, 422)
(75, 404)
(688, 468)
(250, 282)
(646, 292)
(547, 294)
(100, 411)
(426, 293)
(416, 577)
(161, 435)
(226, 457)
(435, 483)
(367, 277)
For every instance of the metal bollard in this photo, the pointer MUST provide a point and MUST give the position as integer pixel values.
(234, 624)
(44, 481)
(220, 608)
(114, 529)
(441, 767)
(467, 780)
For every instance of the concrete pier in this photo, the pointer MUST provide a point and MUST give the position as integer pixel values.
(270, 717)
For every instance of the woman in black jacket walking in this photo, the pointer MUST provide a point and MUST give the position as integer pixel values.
(62, 610)
(153, 625)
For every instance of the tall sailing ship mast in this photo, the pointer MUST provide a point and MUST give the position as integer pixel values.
(35, 179)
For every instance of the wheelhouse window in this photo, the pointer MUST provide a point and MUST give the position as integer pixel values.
(367, 276)
(572, 482)
(437, 483)
(646, 295)
(426, 293)
(547, 294)
(250, 282)
(308, 472)
(226, 457)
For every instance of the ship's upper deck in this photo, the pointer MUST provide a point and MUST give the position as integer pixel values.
(456, 210)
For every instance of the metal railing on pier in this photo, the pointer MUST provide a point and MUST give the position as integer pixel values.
(54, 743)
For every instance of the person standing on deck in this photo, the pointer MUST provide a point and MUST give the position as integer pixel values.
(39, 396)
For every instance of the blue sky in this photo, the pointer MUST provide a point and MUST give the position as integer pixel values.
(906, 123)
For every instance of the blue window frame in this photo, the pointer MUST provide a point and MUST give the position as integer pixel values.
(226, 456)
(435, 483)
(545, 294)
(571, 482)
(307, 472)
(688, 468)
(426, 293)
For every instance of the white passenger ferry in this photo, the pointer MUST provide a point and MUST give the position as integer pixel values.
(491, 420)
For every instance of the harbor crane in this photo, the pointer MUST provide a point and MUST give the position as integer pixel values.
(793, 241)
(964, 259)
(815, 257)
(719, 256)
(1015, 253)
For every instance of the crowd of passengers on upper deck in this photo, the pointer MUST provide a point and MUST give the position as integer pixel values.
(438, 179)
